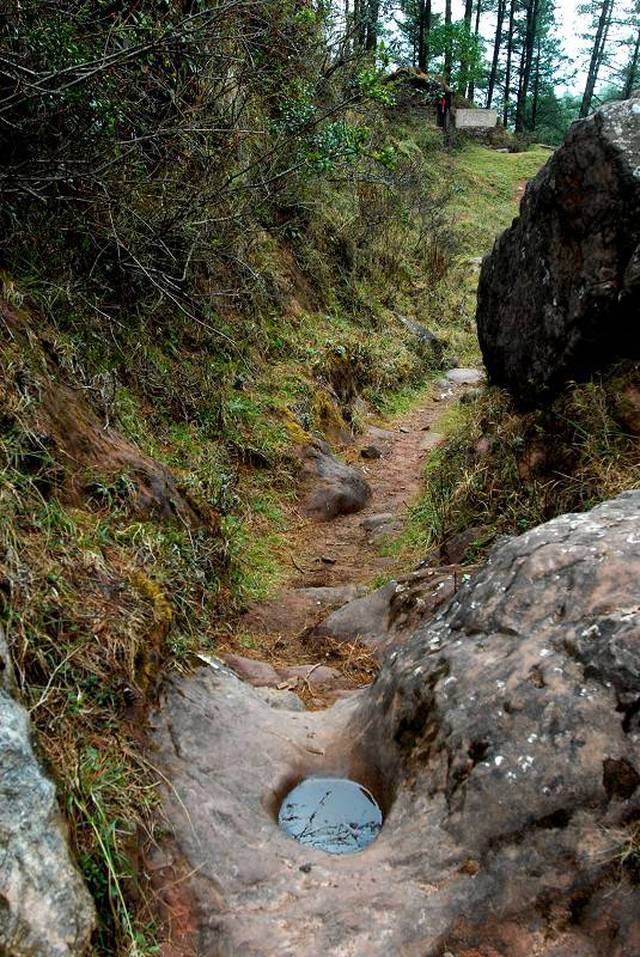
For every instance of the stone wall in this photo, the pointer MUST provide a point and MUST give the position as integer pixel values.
(476, 119)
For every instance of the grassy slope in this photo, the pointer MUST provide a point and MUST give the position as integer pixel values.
(101, 600)
(487, 191)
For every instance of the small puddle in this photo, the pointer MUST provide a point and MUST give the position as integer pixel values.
(335, 815)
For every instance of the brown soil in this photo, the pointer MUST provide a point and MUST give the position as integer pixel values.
(520, 190)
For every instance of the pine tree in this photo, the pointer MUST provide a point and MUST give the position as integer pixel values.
(448, 53)
(497, 44)
(463, 78)
(416, 28)
(507, 75)
(631, 70)
(526, 60)
(601, 12)
(471, 87)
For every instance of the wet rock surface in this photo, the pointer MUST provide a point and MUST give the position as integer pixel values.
(559, 294)
(501, 741)
(45, 909)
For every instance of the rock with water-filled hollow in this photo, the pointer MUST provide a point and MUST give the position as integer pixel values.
(332, 814)
(501, 742)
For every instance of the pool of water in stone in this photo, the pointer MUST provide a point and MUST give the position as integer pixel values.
(335, 815)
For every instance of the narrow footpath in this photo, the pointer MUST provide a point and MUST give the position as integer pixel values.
(289, 643)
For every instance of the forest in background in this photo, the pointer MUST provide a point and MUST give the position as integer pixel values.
(507, 54)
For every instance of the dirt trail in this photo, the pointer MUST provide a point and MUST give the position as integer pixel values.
(335, 562)
(273, 645)
(396, 479)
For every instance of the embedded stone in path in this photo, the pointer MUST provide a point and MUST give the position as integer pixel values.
(262, 674)
(389, 614)
(465, 376)
(295, 609)
(370, 452)
(337, 488)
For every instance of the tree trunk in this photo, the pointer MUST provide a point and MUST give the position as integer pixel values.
(526, 63)
(472, 87)
(371, 31)
(464, 65)
(356, 20)
(596, 55)
(536, 91)
(424, 29)
(507, 74)
(448, 53)
(502, 6)
(629, 86)
(360, 22)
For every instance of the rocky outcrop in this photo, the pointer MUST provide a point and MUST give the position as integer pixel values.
(45, 910)
(502, 741)
(560, 292)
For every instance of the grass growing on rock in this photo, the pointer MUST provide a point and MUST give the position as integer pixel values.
(504, 472)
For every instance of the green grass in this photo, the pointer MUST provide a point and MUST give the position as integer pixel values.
(484, 202)
(486, 183)
(506, 472)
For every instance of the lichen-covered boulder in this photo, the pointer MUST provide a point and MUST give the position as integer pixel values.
(45, 909)
(559, 294)
(502, 741)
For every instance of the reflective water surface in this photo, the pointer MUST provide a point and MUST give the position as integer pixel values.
(331, 814)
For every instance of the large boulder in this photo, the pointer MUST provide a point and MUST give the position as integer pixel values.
(45, 909)
(560, 292)
(502, 741)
